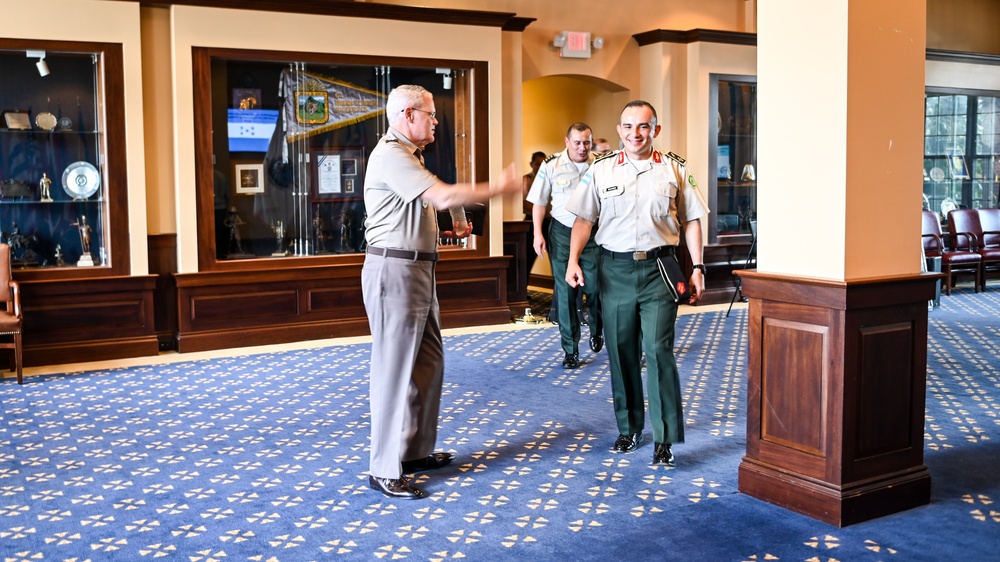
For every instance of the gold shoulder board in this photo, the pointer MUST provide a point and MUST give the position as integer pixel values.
(605, 156)
(673, 156)
(550, 158)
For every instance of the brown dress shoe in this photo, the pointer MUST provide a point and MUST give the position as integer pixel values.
(399, 488)
(430, 462)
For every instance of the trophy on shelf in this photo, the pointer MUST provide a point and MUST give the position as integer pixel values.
(278, 228)
(86, 259)
(44, 188)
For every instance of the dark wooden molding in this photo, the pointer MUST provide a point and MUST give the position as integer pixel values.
(350, 9)
(695, 36)
(517, 24)
(963, 57)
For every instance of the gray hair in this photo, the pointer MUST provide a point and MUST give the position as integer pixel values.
(401, 97)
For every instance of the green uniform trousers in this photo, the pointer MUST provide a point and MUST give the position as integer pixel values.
(564, 297)
(639, 313)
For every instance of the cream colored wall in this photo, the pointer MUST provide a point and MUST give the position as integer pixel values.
(195, 26)
(157, 91)
(802, 137)
(104, 22)
(840, 137)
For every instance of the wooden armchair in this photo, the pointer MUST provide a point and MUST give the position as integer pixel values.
(966, 228)
(10, 315)
(953, 261)
(990, 219)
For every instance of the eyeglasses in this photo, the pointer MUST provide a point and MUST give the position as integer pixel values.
(432, 114)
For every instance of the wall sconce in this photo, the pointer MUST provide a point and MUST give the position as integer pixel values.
(748, 173)
(445, 78)
(43, 68)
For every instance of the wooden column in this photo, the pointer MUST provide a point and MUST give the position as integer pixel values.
(836, 387)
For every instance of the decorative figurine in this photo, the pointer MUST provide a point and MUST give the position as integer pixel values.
(279, 234)
(346, 222)
(234, 222)
(21, 253)
(319, 233)
(60, 262)
(44, 186)
(86, 260)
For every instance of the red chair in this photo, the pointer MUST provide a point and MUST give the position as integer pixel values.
(966, 229)
(990, 219)
(953, 262)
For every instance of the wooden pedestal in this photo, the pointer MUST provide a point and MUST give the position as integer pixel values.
(836, 395)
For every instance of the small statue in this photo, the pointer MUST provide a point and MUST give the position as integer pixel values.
(346, 224)
(233, 221)
(44, 187)
(319, 232)
(279, 234)
(86, 259)
(363, 246)
(60, 262)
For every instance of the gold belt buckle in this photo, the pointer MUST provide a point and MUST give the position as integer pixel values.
(639, 256)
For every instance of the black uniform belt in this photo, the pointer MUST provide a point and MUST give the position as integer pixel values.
(641, 255)
(412, 255)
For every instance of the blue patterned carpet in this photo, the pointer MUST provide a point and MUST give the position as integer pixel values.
(263, 458)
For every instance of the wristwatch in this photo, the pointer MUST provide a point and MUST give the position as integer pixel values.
(700, 266)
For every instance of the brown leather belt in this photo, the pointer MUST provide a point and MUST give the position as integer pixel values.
(641, 255)
(412, 255)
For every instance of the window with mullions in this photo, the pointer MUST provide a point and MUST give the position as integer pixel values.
(961, 151)
(290, 143)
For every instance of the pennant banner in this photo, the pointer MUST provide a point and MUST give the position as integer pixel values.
(315, 104)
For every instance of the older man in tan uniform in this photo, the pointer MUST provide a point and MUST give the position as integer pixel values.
(398, 284)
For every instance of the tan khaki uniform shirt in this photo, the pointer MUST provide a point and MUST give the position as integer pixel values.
(555, 181)
(640, 205)
(395, 179)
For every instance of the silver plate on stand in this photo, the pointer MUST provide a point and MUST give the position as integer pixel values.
(81, 180)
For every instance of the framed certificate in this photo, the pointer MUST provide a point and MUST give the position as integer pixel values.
(338, 173)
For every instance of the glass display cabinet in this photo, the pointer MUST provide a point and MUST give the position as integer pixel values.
(733, 158)
(58, 184)
(290, 136)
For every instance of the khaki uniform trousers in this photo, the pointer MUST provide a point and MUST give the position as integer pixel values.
(407, 360)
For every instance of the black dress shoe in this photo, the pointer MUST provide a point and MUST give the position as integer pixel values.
(627, 443)
(571, 361)
(596, 342)
(663, 455)
(398, 488)
(430, 462)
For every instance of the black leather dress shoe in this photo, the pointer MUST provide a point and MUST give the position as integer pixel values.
(663, 455)
(430, 462)
(596, 342)
(571, 361)
(398, 488)
(627, 443)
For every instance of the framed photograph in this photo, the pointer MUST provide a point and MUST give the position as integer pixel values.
(311, 107)
(249, 178)
(338, 173)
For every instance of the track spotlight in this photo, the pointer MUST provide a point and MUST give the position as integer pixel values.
(43, 68)
(446, 77)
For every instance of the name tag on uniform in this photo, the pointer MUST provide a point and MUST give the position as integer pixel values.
(611, 191)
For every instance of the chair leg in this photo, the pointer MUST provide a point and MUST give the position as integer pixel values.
(17, 357)
(947, 280)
